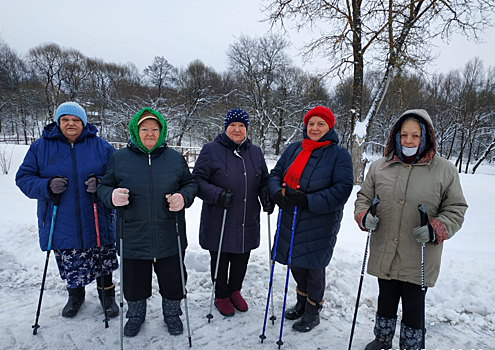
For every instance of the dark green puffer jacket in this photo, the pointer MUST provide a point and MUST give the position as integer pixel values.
(149, 230)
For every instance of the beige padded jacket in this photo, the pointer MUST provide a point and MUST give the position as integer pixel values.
(432, 181)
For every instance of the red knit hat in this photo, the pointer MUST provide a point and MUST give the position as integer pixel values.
(323, 112)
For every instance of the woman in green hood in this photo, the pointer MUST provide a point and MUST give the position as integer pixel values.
(153, 185)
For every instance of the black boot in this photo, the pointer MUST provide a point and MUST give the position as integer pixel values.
(384, 333)
(410, 338)
(76, 299)
(110, 304)
(297, 310)
(171, 312)
(136, 313)
(310, 318)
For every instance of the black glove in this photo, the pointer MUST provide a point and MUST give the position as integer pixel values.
(267, 203)
(91, 184)
(279, 199)
(57, 184)
(226, 199)
(299, 199)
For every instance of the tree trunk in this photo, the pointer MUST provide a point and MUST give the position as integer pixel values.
(487, 152)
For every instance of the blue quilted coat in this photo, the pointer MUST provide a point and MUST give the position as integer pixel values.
(327, 179)
(53, 155)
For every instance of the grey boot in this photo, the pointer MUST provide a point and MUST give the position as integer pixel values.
(410, 338)
(136, 313)
(171, 312)
(384, 333)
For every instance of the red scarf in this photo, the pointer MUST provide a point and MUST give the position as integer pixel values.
(295, 170)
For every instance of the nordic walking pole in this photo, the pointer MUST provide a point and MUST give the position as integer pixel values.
(56, 202)
(98, 243)
(210, 316)
(273, 317)
(372, 210)
(280, 342)
(181, 262)
(424, 222)
(120, 215)
(263, 336)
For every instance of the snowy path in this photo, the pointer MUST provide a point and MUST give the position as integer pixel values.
(460, 309)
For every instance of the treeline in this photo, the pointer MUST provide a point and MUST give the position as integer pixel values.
(261, 79)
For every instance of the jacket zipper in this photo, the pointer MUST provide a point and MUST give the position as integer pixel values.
(78, 205)
(245, 198)
(152, 211)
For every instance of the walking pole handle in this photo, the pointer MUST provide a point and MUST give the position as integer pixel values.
(374, 205)
(94, 196)
(423, 215)
(56, 200)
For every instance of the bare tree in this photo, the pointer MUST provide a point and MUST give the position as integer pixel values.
(389, 34)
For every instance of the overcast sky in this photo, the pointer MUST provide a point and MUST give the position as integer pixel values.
(124, 31)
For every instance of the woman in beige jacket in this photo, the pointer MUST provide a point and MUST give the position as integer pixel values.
(410, 174)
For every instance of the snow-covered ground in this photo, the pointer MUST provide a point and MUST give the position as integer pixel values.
(460, 309)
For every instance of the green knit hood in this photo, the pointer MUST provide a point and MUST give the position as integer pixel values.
(134, 129)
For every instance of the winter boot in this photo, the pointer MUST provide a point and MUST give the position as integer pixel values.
(225, 306)
(298, 310)
(110, 304)
(410, 338)
(76, 299)
(384, 333)
(311, 317)
(171, 312)
(136, 313)
(238, 301)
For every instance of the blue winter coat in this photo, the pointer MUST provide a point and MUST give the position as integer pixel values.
(327, 180)
(53, 155)
(223, 164)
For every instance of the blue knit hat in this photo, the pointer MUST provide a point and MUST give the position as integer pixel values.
(236, 115)
(71, 108)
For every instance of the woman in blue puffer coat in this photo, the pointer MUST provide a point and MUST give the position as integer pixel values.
(62, 162)
(232, 175)
(319, 179)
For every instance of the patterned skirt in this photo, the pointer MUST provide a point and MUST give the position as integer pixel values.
(80, 267)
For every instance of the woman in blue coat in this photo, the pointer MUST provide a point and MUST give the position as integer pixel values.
(318, 177)
(62, 162)
(232, 175)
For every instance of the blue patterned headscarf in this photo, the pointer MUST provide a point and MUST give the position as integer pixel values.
(422, 142)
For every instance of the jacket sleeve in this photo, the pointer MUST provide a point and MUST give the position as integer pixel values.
(333, 198)
(108, 183)
(452, 208)
(207, 191)
(187, 185)
(28, 177)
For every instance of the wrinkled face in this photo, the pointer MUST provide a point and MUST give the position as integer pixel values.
(317, 127)
(71, 127)
(236, 131)
(149, 132)
(410, 134)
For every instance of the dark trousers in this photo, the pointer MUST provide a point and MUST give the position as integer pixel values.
(311, 282)
(391, 291)
(138, 276)
(231, 271)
